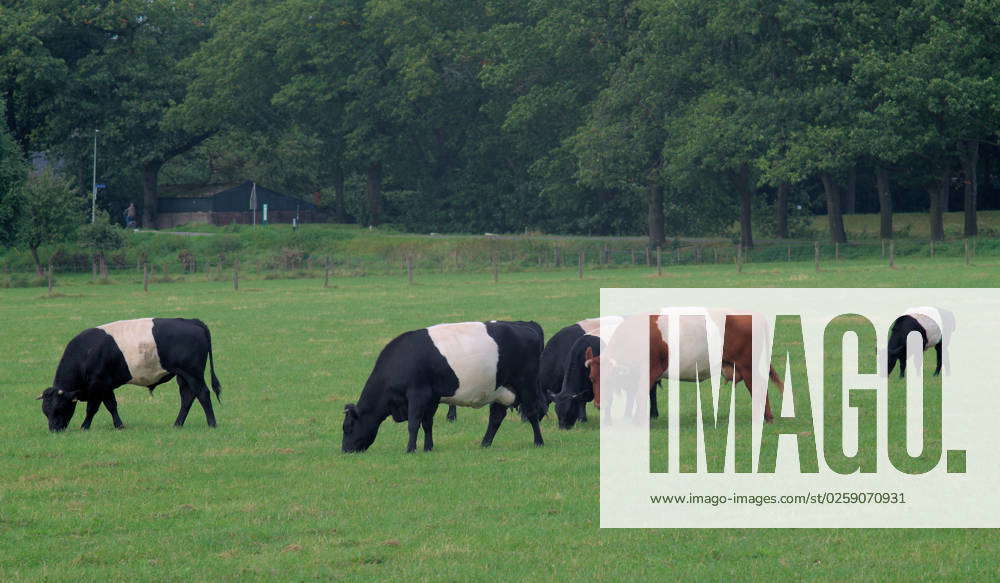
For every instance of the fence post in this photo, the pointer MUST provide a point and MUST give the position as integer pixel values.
(892, 254)
(236, 275)
(659, 262)
(579, 265)
(677, 256)
(496, 268)
(932, 247)
(788, 254)
(607, 254)
(50, 277)
(648, 262)
(409, 269)
(715, 251)
(145, 277)
(633, 256)
(816, 254)
(326, 275)
(968, 260)
(836, 252)
(558, 257)
(883, 247)
(739, 258)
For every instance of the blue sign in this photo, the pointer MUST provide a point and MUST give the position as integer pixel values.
(101, 186)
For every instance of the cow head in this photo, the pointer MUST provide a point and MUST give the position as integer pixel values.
(568, 400)
(359, 433)
(58, 406)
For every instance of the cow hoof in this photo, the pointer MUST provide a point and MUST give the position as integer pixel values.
(539, 443)
(119, 427)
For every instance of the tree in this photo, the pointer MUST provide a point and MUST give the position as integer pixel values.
(12, 175)
(50, 212)
(101, 237)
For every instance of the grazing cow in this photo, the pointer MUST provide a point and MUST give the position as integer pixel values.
(737, 352)
(146, 352)
(928, 323)
(576, 388)
(470, 364)
(557, 355)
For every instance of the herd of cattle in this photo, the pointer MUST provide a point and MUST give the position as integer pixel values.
(471, 364)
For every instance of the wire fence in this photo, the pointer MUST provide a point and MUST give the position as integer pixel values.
(411, 262)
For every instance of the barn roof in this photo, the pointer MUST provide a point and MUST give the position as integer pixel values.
(233, 198)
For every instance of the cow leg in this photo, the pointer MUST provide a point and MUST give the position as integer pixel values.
(205, 398)
(745, 374)
(416, 410)
(937, 348)
(452, 412)
(92, 408)
(428, 425)
(111, 404)
(187, 398)
(654, 410)
(497, 413)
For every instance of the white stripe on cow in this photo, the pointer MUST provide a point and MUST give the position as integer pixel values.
(929, 318)
(697, 331)
(603, 327)
(473, 355)
(135, 340)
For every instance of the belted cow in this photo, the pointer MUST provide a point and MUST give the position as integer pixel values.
(146, 352)
(556, 358)
(470, 364)
(931, 323)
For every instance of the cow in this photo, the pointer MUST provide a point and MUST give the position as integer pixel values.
(930, 323)
(737, 352)
(468, 364)
(146, 352)
(576, 388)
(559, 352)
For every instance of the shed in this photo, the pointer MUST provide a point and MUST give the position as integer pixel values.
(229, 203)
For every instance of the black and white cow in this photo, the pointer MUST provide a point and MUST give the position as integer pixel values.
(560, 361)
(146, 352)
(470, 364)
(926, 321)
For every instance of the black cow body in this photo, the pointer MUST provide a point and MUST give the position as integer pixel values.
(470, 364)
(145, 352)
(930, 335)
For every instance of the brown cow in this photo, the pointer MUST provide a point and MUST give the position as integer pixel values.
(737, 354)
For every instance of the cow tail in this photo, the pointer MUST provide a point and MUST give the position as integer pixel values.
(216, 385)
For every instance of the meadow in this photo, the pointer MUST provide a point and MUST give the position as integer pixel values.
(269, 496)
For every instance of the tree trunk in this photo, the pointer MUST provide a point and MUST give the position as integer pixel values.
(38, 264)
(969, 154)
(884, 203)
(851, 192)
(655, 216)
(742, 180)
(374, 189)
(150, 192)
(836, 220)
(781, 210)
(937, 192)
(339, 208)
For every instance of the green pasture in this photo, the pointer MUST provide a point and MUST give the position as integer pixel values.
(268, 495)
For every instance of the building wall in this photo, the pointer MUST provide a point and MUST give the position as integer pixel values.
(170, 220)
(246, 217)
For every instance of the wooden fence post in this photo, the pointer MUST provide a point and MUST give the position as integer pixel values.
(932, 247)
(633, 256)
(968, 259)
(788, 254)
(648, 262)
(659, 262)
(816, 254)
(892, 254)
(409, 269)
(236, 275)
(145, 277)
(496, 268)
(607, 254)
(836, 252)
(326, 274)
(715, 251)
(558, 257)
(739, 258)
(50, 277)
(579, 265)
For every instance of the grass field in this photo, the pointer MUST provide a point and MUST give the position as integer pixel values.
(269, 496)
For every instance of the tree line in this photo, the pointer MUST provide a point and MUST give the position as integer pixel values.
(573, 116)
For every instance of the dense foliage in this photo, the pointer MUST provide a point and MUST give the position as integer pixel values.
(578, 116)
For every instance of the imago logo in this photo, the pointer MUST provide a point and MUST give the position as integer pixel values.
(792, 407)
